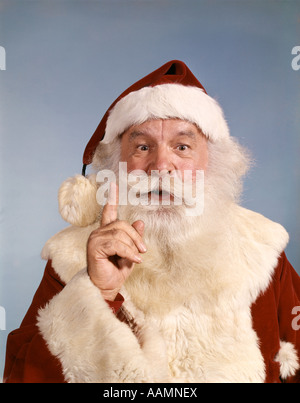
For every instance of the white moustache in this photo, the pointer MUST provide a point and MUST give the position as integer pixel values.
(168, 185)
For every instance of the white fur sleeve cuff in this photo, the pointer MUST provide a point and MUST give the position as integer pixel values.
(90, 342)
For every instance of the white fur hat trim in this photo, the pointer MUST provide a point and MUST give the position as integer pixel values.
(167, 101)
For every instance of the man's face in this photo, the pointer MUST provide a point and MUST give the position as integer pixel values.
(164, 145)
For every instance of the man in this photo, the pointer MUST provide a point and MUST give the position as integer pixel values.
(167, 288)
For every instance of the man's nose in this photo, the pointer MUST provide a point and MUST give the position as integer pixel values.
(162, 160)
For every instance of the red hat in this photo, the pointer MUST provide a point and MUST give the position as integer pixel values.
(172, 91)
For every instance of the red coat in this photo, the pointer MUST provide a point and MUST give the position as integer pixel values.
(240, 324)
(29, 360)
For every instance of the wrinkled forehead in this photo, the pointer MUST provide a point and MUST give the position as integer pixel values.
(164, 130)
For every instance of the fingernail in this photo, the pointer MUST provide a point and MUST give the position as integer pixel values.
(138, 259)
(142, 247)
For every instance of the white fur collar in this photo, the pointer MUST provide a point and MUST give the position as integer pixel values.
(254, 238)
(219, 312)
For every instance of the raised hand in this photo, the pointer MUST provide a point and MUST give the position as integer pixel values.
(113, 249)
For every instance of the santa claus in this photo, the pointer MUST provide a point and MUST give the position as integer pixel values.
(165, 288)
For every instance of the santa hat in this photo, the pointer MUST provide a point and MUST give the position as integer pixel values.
(172, 91)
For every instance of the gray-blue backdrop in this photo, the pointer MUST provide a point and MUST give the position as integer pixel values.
(66, 61)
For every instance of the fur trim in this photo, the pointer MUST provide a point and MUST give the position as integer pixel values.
(67, 250)
(77, 200)
(209, 332)
(92, 344)
(288, 359)
(196, 336)
(164, 102)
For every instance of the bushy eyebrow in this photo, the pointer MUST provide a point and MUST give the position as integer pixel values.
(133, 135)
(136, 133)
(188, 134)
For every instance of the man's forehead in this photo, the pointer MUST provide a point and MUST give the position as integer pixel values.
(171, 127)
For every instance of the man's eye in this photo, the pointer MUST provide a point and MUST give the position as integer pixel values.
(182, 147)
(143, 147)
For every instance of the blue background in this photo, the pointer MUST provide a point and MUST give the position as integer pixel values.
(66, 61)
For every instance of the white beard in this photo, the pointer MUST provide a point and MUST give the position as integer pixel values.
(183, 251)
(179, 251)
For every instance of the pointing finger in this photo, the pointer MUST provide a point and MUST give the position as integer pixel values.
(110, 210)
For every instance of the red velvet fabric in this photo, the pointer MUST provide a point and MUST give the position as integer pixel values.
(272, 317)
(174, 71)
(28, 359)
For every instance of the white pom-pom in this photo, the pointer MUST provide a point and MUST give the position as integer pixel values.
(77, 200)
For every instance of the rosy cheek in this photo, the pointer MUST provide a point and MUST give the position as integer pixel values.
(185, 165)
(192, 166)
(198, 162)
(136, 163)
